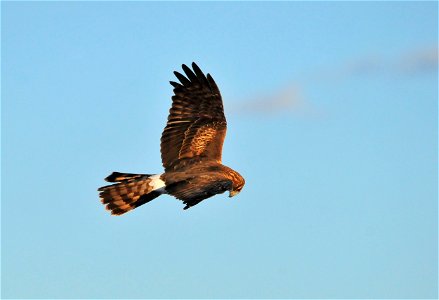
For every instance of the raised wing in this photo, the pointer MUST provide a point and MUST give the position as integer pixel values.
(196, 125)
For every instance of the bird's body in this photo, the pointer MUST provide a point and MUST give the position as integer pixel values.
(191, 147)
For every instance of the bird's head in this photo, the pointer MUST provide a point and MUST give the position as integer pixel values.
(238, 183)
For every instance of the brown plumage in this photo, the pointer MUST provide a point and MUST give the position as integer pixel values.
(191, 148)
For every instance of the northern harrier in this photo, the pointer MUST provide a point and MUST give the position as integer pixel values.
(191, 147)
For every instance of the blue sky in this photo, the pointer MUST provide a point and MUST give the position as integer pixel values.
(332, 112)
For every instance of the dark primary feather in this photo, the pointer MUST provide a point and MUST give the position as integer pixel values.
(182, 79)
(175, 84)
(196, 125)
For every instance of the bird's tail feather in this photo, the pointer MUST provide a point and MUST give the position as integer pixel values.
(130, 191)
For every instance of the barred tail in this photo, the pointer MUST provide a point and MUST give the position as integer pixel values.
(130, 191)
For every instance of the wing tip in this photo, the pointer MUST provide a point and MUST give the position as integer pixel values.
(175, 84)
(184, 81)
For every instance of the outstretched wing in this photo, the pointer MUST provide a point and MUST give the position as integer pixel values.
(196, 125)
(193, 191)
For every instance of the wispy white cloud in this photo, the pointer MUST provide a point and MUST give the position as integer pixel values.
(414, 62)
(291, 99)
(419, 61)
(285, 99)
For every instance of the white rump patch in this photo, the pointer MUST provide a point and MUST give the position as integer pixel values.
(157, 184)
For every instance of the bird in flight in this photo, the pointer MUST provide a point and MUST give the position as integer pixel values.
(191, 149)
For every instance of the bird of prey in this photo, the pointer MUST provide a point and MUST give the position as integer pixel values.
(191, 148)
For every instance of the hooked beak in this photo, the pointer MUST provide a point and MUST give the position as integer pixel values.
(233, 193)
